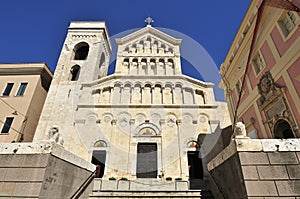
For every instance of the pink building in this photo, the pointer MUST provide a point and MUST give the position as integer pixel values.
(269, 103)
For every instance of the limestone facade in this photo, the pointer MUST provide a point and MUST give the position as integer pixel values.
(147, 102)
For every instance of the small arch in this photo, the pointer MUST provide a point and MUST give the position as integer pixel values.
(135, 61)
(161, 61)
(152, 60)
(147, 129)
(171, 61)
(100, 143)
(157, 85)
(283, 130)
(147, 85)
(144, 61)
(81, 51)
(192, 145)
(75, 71)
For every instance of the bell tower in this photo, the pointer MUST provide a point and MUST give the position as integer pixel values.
(85, 53)
(84, 58)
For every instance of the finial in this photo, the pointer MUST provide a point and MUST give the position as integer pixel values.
(149, 20)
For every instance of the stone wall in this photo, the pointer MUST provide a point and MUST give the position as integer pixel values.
(257, 168)
(41, 170)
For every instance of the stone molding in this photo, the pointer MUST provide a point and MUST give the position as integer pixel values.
(254, 145)
(46, 147)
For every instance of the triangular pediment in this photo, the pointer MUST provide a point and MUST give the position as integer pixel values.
(148, 41)
(150, 32)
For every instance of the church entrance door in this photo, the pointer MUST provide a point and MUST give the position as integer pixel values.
(146, 160)
(98, 159)
(195, 169)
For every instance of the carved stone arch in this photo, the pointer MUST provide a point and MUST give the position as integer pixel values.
(153, 130)
(123, 119)
(191, 144)
(126, 60)
(203, 114)
(81, 51)
(171, 119)
(178, 93)
(116, 96)
(118, 83)
(155, 118)
(137, 93)
(101, 143)
(187, 118)
(107, 117)
(92, 115)
(199, 96)
(148, 84)
(170, 67)
(203, 123)
(188, 96)
(179, 84)
(172, 114)
(140, 118)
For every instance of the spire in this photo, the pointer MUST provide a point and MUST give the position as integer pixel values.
(149, 20)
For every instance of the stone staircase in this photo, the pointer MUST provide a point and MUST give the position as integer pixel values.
(147, 189)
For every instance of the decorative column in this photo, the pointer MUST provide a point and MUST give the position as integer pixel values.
(180, 153)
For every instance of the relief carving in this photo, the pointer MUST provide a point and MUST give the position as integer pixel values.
(267, 89)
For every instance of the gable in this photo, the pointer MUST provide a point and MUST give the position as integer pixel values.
(148, 40)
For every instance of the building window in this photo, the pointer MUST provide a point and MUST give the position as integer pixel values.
(75, 70)
(7, 124)
(288, 22)
(258, 63)
(8, 89)
(81, 51)
(22, 89)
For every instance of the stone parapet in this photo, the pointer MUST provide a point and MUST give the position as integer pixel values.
(41, 170)
(45, 147)
(257, 168)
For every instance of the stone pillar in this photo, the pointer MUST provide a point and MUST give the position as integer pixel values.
(181, 166)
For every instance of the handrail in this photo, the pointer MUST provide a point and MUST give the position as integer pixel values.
(83, 186)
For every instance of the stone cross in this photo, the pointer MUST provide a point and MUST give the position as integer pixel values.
(149, 20)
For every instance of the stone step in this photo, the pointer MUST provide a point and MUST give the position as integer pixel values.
(152, 194)
(148, 185)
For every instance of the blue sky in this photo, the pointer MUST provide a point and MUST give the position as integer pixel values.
(34, 31)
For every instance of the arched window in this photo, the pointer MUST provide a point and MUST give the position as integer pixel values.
(283, 130)
(81, 51)
(75, 70)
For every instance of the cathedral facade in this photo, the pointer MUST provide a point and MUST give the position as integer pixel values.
(144, 120)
